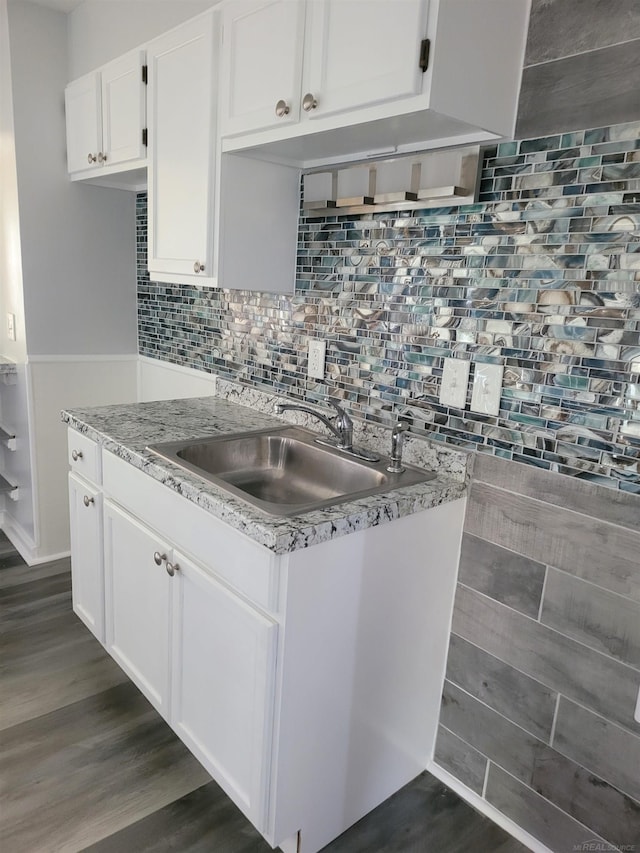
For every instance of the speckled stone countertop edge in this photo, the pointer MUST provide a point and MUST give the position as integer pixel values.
(120, 430)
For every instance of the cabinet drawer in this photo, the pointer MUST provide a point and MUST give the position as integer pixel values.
(232, 556)
(84, 456)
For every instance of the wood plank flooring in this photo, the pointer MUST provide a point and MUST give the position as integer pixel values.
(87, 764)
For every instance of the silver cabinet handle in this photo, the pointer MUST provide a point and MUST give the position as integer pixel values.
(76, 454)
(198, 267)
(172, 568)
(282, 108)
(102, 158)
(87, 500)
(309, 103)
(91, 158)
(159, 558)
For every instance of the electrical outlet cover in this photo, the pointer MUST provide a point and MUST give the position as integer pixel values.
(487, 388)
(317, 354)
(455, 378)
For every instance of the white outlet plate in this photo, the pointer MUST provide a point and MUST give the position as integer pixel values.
(487, 387)
(11, 326)
(315, 364)
(455, 378)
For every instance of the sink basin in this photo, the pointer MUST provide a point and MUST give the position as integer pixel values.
(283, 471)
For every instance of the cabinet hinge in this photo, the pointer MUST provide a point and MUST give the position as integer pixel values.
(425, 46)
(144, 136)
(144, 74)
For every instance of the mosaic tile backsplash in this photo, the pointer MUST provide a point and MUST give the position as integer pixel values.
(542, 276)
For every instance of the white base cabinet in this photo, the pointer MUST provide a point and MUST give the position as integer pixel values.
(308, 684)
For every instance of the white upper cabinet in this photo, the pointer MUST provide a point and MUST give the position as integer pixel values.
(84, 122)
(377, 77)
(361, 52)
(105, 113)
(356, 53)
(262, 84)
(182, 142)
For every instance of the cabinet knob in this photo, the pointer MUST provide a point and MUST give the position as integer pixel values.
(282, 108)
(102, 158)
(159, 558)
(76, 454)
(91, 158)
(309, 103)
(198, 267)
(172, 568)
(87, 500)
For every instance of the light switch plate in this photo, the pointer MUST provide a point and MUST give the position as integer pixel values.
(455, 378)
(487, 387)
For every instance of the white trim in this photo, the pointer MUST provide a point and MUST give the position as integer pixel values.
(49, 359)
(178, 368)
(35, 512)
(19, 538)
(485, 808)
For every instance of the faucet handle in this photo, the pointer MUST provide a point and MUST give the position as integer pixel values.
(339, 409)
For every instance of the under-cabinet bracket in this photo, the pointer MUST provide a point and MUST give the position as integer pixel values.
(145, 136)
(145, 74)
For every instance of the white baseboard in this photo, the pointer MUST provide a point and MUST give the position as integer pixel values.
(485, 808)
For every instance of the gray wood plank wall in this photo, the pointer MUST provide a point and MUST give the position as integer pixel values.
(543, 669)
(582, 66)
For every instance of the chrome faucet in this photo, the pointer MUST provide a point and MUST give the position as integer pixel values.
(343, 429)
(395, 465)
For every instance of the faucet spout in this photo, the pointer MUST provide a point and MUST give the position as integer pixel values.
(342, 433)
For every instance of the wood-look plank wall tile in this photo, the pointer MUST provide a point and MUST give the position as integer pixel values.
(510, 578)
(551, 658)
(559, 28)
(534, 814)
(579, 792)
(599, 88)
(461, 760)
(588, 798)
(607, 622)
(597, 551)
(599, 745)
(515, 695)
(566, 492)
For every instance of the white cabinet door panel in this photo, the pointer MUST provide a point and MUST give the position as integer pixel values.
(362, 52)
(84, 123)
(262, 60)
(223, 685)
(87, 573)
(181, 148)
(137, 604)
(124, 108)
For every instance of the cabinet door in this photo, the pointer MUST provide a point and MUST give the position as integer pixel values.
(137, 604)
(84, 123)
(87, 573)
(261, 63)
(223, 685)
(362, 52)
(181, 149)
(123, 109)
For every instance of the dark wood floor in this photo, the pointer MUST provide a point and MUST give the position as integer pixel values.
(87, 764)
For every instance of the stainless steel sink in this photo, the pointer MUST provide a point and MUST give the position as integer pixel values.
(283, 471)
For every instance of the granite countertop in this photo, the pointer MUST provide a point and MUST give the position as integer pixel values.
(127, 429)
(7, 367)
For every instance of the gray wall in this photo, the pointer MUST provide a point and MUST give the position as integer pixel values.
(582, 66)
(544, 659)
